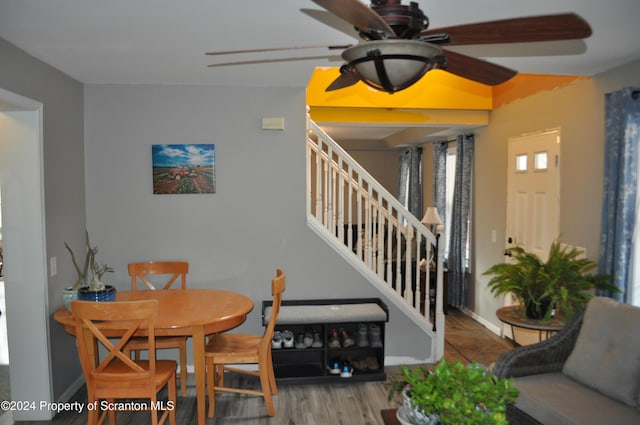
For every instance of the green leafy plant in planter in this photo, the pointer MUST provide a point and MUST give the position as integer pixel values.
(457, 394)
(89, 277)
(563, 282)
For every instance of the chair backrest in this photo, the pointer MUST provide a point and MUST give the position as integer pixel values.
(102, 323)
(278, 285)
(142, 271)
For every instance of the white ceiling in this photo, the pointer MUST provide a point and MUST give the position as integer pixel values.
(164, 41)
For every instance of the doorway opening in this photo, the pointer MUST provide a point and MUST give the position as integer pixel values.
(24, 253)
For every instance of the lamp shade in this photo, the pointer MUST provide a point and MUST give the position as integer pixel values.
(392, 65)
(431, 217)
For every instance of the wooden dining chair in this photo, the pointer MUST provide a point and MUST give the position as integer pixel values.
(229, 349)
(153, 275)
(116, 376)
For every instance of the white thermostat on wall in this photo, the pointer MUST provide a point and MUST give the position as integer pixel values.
(273, 123)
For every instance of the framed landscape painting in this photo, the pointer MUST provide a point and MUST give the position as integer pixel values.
(180, 169)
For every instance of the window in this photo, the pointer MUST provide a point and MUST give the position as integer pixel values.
(522, 163)
(540, 161)
(450, 184)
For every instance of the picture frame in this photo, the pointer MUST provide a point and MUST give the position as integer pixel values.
(183, 169)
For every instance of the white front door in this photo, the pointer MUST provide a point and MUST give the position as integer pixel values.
(533, 193)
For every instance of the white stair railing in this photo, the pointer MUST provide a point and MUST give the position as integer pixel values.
(374, 231)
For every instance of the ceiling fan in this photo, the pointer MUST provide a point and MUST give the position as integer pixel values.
(398, 48)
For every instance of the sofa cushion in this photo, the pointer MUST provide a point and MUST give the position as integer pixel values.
(554, 398)
(328, 313)
(606, 356)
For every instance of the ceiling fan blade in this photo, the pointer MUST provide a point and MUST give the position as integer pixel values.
(275, 60)
(477, 69)
(359, 15)
(567, 26)
(277, 49)
(327, 18)
(347, 78)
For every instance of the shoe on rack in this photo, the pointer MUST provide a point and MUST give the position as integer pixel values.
(346, 339)
(334, 367)
(308, 338)
(375, 338)
(362, 337)
(372, 363)
(334, 341)
(359, 364)
(346, 371)
(317, 341)
(287, 339)
(276, 341)
(300, 340)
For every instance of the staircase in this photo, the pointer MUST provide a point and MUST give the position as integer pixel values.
(372, 231)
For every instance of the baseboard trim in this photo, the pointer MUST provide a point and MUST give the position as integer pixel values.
(71, 390)
(398, 361)
(484, 322)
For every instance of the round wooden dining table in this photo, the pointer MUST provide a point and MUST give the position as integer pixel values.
(186, 312)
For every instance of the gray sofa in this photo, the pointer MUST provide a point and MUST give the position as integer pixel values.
(588, 373)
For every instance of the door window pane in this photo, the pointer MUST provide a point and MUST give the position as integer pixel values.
(521, 163)
(540, 161)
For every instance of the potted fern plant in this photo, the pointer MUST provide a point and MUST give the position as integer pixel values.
(564, 282)
(89, 285)
(452, 394)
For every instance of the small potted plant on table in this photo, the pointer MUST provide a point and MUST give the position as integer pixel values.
(89, 286)
(453, 394)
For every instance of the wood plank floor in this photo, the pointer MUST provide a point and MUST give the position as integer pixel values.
(348, 403)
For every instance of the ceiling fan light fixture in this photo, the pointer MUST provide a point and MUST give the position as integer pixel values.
(392, 65)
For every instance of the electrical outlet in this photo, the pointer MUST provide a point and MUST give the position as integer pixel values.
(53, 266)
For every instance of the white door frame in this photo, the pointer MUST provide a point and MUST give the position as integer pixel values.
(552, 221)
(24, 242)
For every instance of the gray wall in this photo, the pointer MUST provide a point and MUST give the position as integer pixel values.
(383, 165)
(64, 196)
(234, 239)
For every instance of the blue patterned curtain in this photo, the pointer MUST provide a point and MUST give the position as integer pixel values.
(410, 188)
(622, 132)
(440, 179)
(459, 246)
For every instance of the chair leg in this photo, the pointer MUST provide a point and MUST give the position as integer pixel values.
(211, 383)
(154, 411)
(111, 413)
(172, 396)
(219, 375)
(272, 376)
(92, 417)
(265, 382)
(183, 369)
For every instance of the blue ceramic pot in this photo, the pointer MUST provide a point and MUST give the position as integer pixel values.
(106, 294)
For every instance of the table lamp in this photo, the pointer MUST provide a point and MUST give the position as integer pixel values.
(432, 219)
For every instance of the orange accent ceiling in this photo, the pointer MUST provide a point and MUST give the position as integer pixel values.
(439, 97)
(436, 90)
(524, 85)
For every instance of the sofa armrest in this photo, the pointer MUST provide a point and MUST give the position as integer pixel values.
(544, 357)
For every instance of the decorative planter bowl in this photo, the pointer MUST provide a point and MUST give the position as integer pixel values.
(69, 295)
(106, 294)
(415, 416)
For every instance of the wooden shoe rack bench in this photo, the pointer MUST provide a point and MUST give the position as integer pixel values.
(309, 365)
